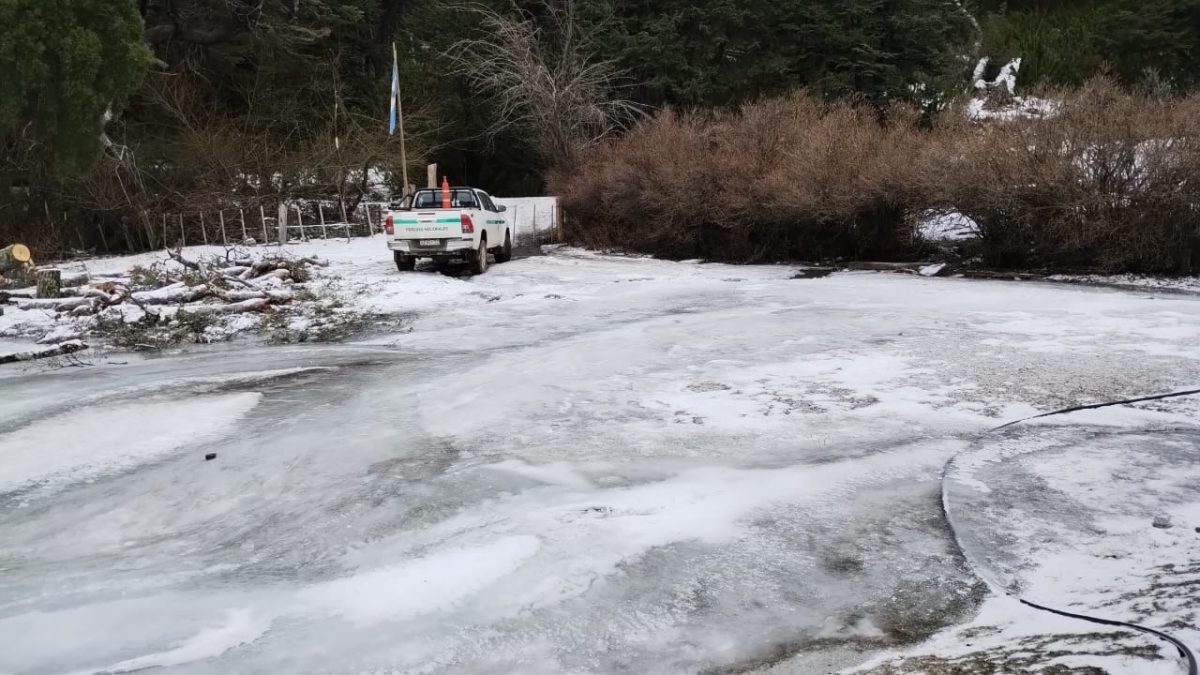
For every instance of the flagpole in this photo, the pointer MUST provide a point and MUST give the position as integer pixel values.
(400, 112)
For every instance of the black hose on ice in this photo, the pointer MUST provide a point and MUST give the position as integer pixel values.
(1184, 651)
(1094, 406)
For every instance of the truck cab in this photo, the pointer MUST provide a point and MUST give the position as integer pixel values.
(448, 223)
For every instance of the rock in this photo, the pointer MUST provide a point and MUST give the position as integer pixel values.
(210, 456)
(940, 269)
(1162, 522)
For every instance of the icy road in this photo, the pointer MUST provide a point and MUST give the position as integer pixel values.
(590, 464)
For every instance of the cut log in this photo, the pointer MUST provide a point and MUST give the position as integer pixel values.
(175, 293)
(239, 295)
(75, 279)
(58, 304)
(813, 272)
(59, 350)
(255, 305)
(14, 257)
(238, 280)
(49, 283)
(883, 266)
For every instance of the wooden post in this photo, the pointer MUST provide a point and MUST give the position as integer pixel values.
(300, 223)
(245, 237)
(321, 212)
(49, 283)
(203, 231)
(224, 238)
(281, 222)
(431, 176)
(370, 225)
(262, 221)
(516, 226)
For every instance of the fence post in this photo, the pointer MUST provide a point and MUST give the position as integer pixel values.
(281, 222)
(262, 221)
(321, 213)
(300, 223)
(370, 225)
(516, 225)
(224, 238)
(182, 233)
(245, 236)
(203, 230)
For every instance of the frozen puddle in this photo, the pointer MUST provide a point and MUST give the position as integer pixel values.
(83, 445)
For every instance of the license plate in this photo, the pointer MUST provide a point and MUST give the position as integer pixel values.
(429, 242)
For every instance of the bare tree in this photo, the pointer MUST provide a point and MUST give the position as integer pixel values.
(545, 76)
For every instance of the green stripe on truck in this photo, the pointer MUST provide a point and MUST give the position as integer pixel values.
(439, 221)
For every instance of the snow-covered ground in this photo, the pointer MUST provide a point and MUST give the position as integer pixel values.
(589, 464)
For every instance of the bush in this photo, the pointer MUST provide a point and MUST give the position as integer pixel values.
(793, 178)
(1111, 183)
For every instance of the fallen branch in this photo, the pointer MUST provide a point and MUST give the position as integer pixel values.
(59, 350)
(177, 257)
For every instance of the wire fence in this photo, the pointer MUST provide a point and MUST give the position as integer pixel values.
(534, 221)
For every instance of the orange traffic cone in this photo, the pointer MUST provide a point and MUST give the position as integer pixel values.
(445, 192)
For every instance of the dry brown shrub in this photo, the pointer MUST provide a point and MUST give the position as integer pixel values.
(792, 178)
(1111, 183)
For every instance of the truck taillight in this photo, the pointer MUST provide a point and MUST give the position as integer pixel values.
(389, 224)
(467, 226)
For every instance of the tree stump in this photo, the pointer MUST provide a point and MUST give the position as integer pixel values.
(14, 257)
(49, 283)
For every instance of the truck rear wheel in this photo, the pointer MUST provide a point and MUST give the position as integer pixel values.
(405, 263)
(479, 261)
(505, 253)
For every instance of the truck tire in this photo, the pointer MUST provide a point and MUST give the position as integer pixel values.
(479, 261)
(405, 263)
(505, 253)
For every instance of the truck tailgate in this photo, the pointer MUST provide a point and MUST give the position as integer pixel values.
(429, 225)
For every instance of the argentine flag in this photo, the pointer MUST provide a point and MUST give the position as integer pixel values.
(392, 118)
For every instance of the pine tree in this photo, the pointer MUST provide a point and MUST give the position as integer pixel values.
(66, 64)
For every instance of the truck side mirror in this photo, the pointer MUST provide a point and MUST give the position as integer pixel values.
(501, 209)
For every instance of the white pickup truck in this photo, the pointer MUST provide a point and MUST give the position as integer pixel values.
(450, 223)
